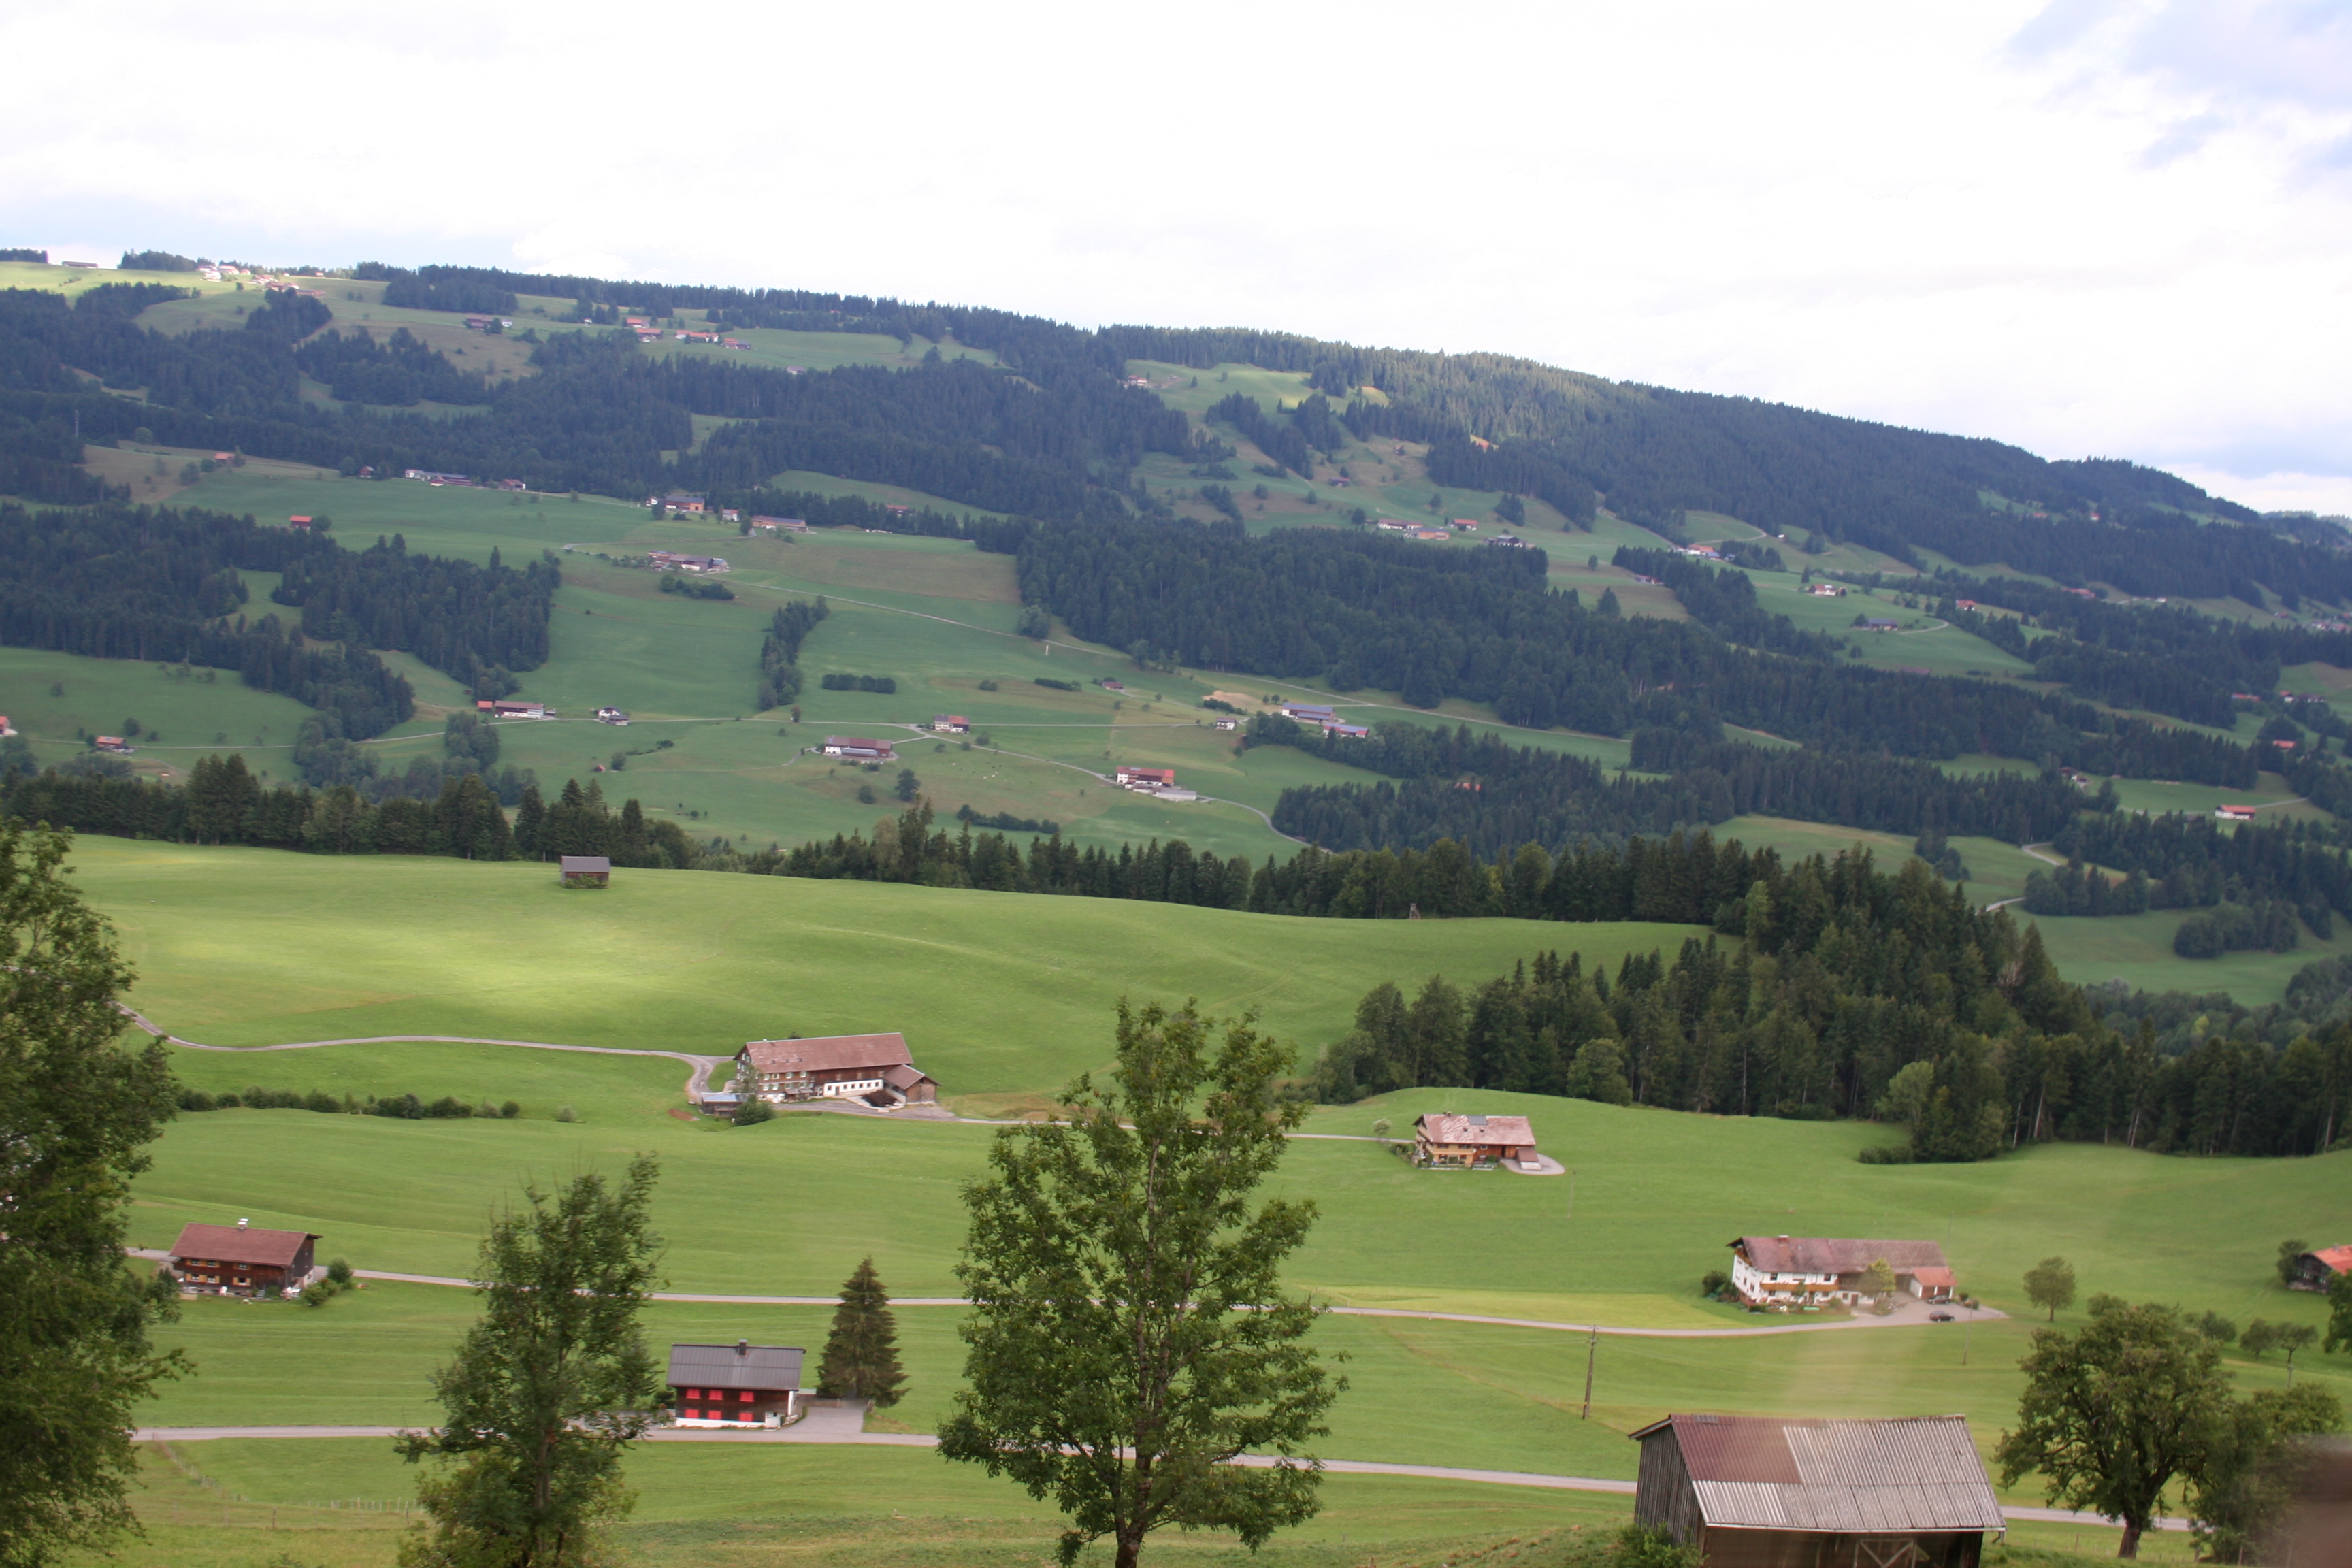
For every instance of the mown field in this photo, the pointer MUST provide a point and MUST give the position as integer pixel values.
(1002, 996)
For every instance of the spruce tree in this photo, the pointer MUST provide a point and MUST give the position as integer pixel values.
(861, 1353)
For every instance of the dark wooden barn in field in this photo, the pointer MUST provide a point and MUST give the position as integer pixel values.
(1772, 1492)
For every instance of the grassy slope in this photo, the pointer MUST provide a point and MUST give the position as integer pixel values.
(1000, 994)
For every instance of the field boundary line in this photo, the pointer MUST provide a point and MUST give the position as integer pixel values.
(697, 1080)
(925, 1440)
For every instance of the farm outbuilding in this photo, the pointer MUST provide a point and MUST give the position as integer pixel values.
(1750, 1491)
(742, 1384)
(587, 871)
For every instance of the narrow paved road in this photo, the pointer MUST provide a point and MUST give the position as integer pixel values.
(1906, 1318)
(696, 1079)
(835, 1427)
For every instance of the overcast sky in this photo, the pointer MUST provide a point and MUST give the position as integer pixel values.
(2111, 228)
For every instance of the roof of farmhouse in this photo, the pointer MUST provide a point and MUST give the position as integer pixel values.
(828, 1054)
(1820, 1255)
(1444, 1127)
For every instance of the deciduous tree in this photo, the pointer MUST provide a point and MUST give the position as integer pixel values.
(77, 1112)
(2114, 1413)
(1129, 1336)
(2051, 1283)
(548, 1390)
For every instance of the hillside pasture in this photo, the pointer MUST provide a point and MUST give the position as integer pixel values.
(1001, 995)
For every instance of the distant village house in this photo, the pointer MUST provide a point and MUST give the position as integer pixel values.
(115, 745)
(1145, 778)
(672, 561)
(612, 716)
(2318, 1269)
(1783, 1272)
(238, 1260)
(779, 525)
(860, 750)
(874, 1069)
(950, 723)
(501, 708)
(742, 1384)
(1756, 1491)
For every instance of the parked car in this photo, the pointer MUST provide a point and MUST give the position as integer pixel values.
(1939, 1317)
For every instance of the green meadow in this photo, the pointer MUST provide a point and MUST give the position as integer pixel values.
(1001, 995)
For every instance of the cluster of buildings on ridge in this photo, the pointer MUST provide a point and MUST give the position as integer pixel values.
(1324, 716)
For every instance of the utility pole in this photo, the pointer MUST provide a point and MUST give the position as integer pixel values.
(1592, 1350)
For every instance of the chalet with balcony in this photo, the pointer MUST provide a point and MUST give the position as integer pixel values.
(238, 1260)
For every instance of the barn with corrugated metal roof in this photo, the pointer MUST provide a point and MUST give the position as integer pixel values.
(1754, 1491)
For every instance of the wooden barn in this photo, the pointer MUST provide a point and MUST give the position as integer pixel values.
(238, 1260)
(742, 1384)
(587, 871)
(1756, 1491)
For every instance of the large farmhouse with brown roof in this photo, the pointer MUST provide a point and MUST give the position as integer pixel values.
(1753, 1491)
(1442, 1138)
(1807, 1271)
(874, 1069)
(237, 1261)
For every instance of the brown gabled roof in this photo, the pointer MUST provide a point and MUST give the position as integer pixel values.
(1826, 1255)
(1444, 1127)
(904, 1077)
(830, 1052)
(228, 1243)
(1910, 1473)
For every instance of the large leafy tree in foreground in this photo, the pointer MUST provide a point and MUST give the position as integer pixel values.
(2113, 1415)
(1129, 1336)
(77, 1112)
(548, 1390)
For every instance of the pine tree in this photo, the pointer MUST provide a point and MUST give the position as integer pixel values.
(861, 1353)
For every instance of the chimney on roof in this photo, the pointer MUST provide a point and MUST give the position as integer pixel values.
(742, 1347)
(243, 1223)
(1783, 1237)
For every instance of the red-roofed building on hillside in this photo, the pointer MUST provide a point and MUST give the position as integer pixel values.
(1145, 778)
(1764, 1491)
(1805, 1271)
(859, 749)
(1442, 1138)
(237, 1261)
(876, 1069)
(2318, 1269)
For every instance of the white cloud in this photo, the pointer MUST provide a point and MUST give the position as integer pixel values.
(2110, 227)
